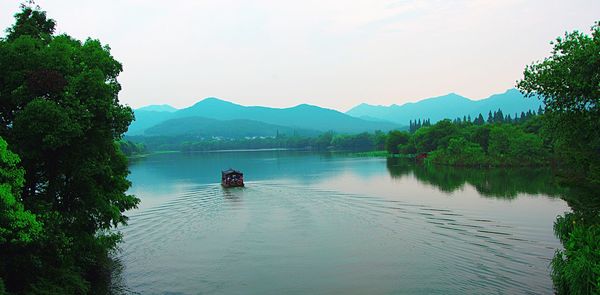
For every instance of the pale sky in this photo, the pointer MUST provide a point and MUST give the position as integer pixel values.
(333, 54)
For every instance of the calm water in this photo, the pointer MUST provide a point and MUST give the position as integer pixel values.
(310, 223)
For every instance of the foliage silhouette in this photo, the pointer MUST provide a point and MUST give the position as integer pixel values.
(59, 111)
(569, 83)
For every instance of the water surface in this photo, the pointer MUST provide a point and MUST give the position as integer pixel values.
(324, 224)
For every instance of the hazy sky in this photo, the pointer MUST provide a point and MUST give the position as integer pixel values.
(333, 54)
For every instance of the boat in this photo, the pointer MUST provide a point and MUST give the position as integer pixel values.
(232, 178)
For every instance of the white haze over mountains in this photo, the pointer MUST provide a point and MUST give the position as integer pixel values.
(334, 54)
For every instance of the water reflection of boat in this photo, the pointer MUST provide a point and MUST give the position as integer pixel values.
(232, 178)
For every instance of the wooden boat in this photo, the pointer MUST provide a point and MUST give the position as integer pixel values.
(232, 178)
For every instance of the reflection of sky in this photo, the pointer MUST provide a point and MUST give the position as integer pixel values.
(312, 216)
(537, 211)
(160, 177)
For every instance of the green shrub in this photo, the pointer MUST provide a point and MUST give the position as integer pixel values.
(460, 152)
(576, 269)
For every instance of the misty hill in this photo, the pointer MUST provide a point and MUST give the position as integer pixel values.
(158, 108)
(148, 116)
(203, 128)
(448, 106)
(301, 117)
(145, 119)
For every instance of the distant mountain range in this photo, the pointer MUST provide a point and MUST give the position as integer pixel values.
(448, 106)
(259, 121)
(199, 127)
(213, 117)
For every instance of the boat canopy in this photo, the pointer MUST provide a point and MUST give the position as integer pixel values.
(231, 172)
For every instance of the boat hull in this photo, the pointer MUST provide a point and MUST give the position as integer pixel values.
(232, 185)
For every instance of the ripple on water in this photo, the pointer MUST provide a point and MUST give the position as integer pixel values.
(279, 237)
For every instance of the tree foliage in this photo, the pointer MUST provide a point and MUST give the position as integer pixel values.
(460, 152)
(130, 148)
(465, 143)
(569, 83)
(567, 80)
(31, 22)
(18, 227)
(576, 268)
(325, 141)
(438, 135)
(59, 111)
(395, 139)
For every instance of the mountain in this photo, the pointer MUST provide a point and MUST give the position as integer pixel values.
(158, 108)
(148, 116)
(198, 127)
(146, 119)
(448, 106)
(301, 117)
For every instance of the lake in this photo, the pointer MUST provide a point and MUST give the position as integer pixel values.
(322, 223)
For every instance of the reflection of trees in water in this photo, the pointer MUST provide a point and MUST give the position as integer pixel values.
(504, 183)
(574, 268)
(109, 279)
(399, 168)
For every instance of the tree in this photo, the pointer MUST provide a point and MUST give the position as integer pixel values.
(59, 111)
(499, 143)
(379, 140)
(498, 116)
(430, 138)
(479, 120)
(459, 152)
(481, 136)
(394, 139)
(568, 81)
(17, 226)
(31, 22)
(323, 141)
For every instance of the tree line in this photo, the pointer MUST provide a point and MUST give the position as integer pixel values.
(495, 117)
(365, 141)
(464, 143)
(130, 148)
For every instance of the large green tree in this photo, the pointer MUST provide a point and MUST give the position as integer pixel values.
(569, 83)
(60, 112)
